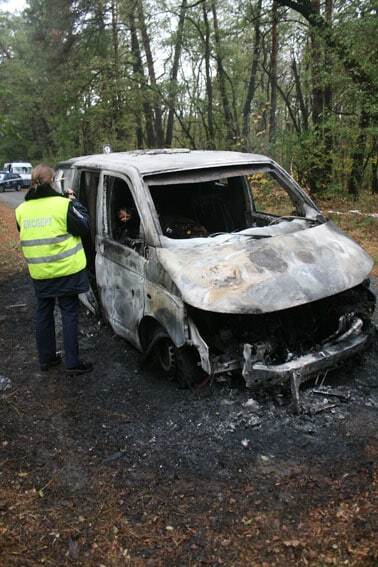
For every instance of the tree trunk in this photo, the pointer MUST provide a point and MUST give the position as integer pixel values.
(209, 84)
(353, 67)
(222, 78)
(151, 74)
(317, 93)
(174, 73)
(115, 110)
(273, 72)
(140, 79)
(357, 171)
(374, 167)
(299, 93)
(327, 102)
(252, 78)
(286, 98)
(316, 180)
(328, 60)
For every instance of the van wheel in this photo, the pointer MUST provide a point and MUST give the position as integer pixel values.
(18, 187)
(189, 372)
(164, 353)
(180, 364)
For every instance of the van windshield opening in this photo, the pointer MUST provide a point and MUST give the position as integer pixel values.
(227, 203)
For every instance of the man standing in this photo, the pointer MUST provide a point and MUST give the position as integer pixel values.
(51, 227)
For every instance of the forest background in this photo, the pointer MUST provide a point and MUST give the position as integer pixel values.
(84, 480)
(294, 79)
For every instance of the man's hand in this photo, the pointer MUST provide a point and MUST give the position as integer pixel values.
(70, 194)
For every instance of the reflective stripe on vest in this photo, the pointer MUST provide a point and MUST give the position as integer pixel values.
(38, 241)
(46, 259)
(50, 251)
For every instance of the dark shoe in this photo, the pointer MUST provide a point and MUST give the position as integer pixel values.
(53, 362)
(82, 368)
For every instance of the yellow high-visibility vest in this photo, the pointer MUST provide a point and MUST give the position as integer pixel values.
(50, 251)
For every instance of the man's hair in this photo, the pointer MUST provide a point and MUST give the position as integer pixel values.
(42, 174)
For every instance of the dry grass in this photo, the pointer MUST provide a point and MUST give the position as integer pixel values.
(354, 219)
(172, 528)
(360, 227)
(11, 259)
(269, 196)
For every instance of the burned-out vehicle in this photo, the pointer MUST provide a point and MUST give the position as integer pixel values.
(226, 265)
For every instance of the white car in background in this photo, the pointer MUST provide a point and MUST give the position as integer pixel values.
(23, 168)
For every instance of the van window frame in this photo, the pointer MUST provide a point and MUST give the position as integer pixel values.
(106, 210)
(76, 186)
(61, 177)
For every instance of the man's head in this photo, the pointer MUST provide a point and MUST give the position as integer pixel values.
(42, 175)
(124, 215)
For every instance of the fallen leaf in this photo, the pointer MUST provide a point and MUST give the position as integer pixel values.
(292, 543)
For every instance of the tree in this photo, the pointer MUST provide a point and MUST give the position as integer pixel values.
(252, 82)
(158, 117)
(173, 86)
(229, 119)
(292, 78)
(273, 72)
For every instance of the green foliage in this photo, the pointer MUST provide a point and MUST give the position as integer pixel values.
(69, 83)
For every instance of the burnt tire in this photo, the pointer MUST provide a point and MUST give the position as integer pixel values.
(188, 367)
(163, 353)
(180, 364)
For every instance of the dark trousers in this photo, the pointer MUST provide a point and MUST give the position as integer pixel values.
(45, 329)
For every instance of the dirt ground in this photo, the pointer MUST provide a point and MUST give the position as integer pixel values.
(122, 468)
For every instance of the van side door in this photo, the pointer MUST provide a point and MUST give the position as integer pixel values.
(120, 262)
(85, 183)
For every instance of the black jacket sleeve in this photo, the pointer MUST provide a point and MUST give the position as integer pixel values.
(78, 219)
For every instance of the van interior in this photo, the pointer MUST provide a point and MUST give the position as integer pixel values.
(223, 205)
(123, 217)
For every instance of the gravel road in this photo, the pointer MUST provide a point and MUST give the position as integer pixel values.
(12, 198)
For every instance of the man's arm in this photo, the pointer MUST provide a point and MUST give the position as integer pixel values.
(77, 219)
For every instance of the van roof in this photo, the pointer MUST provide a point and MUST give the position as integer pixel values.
(149, 162)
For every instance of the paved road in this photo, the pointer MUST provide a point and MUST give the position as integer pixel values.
(12, 198)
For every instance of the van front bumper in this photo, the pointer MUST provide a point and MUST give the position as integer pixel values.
(330, 355)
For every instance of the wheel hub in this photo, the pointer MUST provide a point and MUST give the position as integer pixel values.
(166, 354)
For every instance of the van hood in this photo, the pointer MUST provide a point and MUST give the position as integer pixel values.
(246, 275)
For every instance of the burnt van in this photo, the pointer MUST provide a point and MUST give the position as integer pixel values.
(218, 262)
